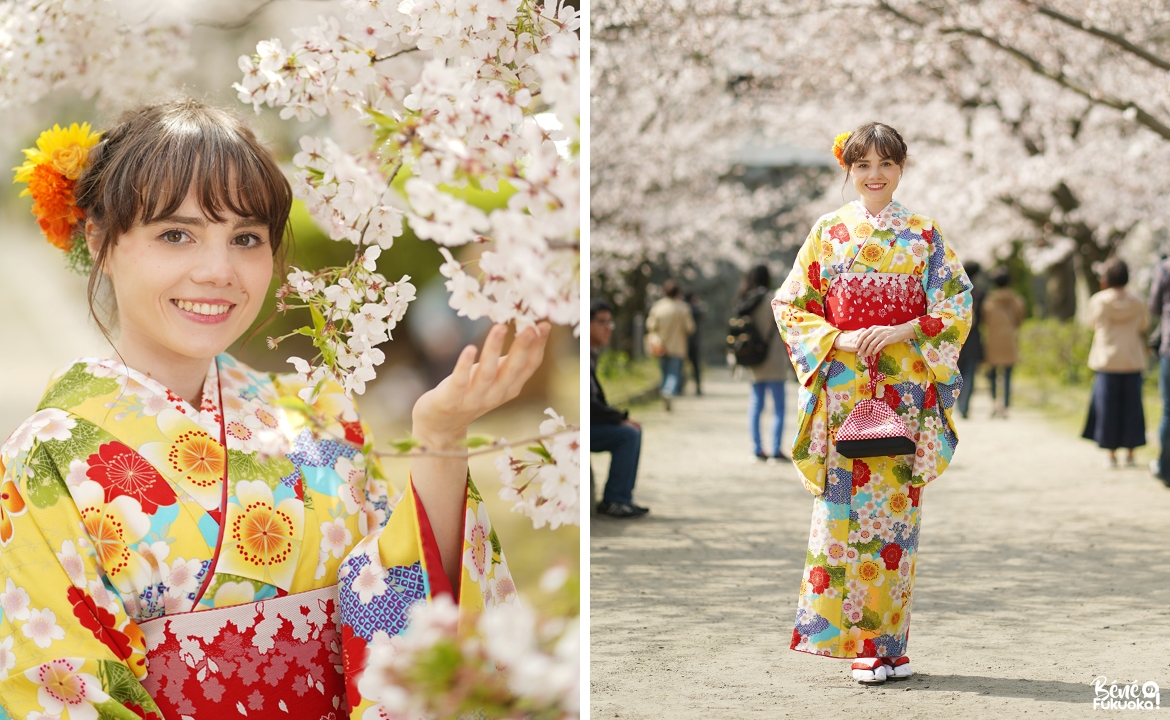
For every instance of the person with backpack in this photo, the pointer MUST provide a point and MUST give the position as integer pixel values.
(759, 349)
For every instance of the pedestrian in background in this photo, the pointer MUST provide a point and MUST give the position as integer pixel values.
(1003, 313)
(667, 328)
(611, 430)
(972, 353)
(1118, 356)
(1160, 306)
(754, 300)
(694, 349)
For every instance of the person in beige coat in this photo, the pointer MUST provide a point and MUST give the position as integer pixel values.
(1002, 314)
(1118, 355)
(667, 328)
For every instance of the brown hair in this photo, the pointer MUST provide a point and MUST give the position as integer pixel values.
(886, 140)
(152, 157)
(1115, 273)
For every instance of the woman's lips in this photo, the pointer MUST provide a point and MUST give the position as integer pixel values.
(211, 312)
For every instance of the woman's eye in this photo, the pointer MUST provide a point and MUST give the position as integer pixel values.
(174, 237)
(248, 241)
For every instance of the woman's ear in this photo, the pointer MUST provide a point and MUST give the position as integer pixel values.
(93, 241)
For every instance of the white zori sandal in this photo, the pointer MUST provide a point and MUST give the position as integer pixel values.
(870, 671)
(898, 668)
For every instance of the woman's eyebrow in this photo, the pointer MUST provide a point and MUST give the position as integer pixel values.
(199, 222)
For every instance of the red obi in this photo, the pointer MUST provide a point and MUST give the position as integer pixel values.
(280, 657)
(861, 300)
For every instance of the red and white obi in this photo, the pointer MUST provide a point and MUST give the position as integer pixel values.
(861, 300)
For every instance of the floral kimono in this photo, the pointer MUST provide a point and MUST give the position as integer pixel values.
(855, 594)
(162, 560)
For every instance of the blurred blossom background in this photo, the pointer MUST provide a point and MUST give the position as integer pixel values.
(47, 323)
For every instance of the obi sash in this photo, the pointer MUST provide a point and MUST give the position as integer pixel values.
(861, 300)
(270, 658)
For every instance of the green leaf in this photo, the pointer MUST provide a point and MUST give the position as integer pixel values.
(84, 440)
(121, 685)
(473, 492)
(887, 365)
(836, 575)
(318, 318)
(75, 387)
(246, 466)
(952, 287)
(870, 620)
(43, 484)
(902, 473)
(405, 445)
(540, 451)
(800, 452)
(475, 441)
(497, 549)
(870, 548)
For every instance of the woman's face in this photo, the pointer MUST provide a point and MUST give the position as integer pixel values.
(187, 286)
(875, 178)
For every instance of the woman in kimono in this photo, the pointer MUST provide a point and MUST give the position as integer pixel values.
(876, 306)
(174, 542)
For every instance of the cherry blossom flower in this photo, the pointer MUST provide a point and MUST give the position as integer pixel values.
(335, 537)
(370, 583)
(15, 601)
(42, 628)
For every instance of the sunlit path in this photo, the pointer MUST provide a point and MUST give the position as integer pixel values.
(1039, 570)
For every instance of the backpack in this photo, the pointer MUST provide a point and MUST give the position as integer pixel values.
(745, 342)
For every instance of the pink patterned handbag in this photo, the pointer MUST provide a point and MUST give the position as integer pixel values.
(872, 428)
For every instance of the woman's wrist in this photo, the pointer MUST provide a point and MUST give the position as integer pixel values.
(433, 439)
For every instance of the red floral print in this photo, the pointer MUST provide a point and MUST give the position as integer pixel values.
(839, 232)
(814, 274)
(121, 471)
(796, 636)
(353, 649)
(353, 431)
(891, 397)
(99, 621)
(892, 555)
(860, 475)
(818, 578)
(931, 398)
(815, 308)
(915, 493)
(930, 325)
(868, 649)
(927, 234)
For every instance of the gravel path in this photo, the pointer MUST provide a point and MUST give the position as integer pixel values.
(1038, 571)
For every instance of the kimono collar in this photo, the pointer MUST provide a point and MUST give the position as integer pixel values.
(158, 397)
(892, 217)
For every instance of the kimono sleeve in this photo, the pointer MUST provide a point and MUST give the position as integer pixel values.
(799, 307)
(941, 332)
(66, 642)
(399, 565)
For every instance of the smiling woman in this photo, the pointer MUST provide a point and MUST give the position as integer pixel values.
(175, 541)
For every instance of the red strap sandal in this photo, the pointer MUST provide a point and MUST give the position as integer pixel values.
(870, 671)
(898, 668)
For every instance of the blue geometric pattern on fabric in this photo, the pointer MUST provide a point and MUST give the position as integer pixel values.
(914, 390)
(836, 367)
(839, 489)
(150, 602)
(937, 272)
(949, 392)
(292, 478)
(809, 623)
(889, 646)
(405, 585)
(311, 452)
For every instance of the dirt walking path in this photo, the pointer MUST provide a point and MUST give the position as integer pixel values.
(1038, 571)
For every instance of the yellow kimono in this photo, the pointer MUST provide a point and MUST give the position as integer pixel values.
(163, 560)
(855, 594)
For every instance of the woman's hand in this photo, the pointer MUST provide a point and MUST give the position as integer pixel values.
(872, 340)
(441, 417)
(846, 341)
(473, 389)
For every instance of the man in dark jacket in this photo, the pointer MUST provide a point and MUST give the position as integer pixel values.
(611, 430)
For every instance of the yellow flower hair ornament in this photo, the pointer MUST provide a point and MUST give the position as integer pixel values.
(839, 147)
(51, 170)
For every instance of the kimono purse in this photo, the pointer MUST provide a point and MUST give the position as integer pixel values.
(872, 428)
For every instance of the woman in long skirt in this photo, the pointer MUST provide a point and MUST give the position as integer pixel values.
(877, 305)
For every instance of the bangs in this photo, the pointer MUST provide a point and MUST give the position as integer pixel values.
(194, 149)
(882, 138)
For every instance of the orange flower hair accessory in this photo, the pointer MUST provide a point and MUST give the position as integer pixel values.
(51, 170)
(839, 147)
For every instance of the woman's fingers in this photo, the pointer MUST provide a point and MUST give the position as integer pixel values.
(489, 359)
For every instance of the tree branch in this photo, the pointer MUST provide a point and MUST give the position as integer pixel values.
(1084, 26)
(1141, 116)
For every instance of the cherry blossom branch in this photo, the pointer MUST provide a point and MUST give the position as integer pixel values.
(1115, 39)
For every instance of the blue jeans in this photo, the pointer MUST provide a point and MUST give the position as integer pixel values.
(624, 445)
(1007, 383)
(1164, 427)
(756, 409)
(672, 368)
